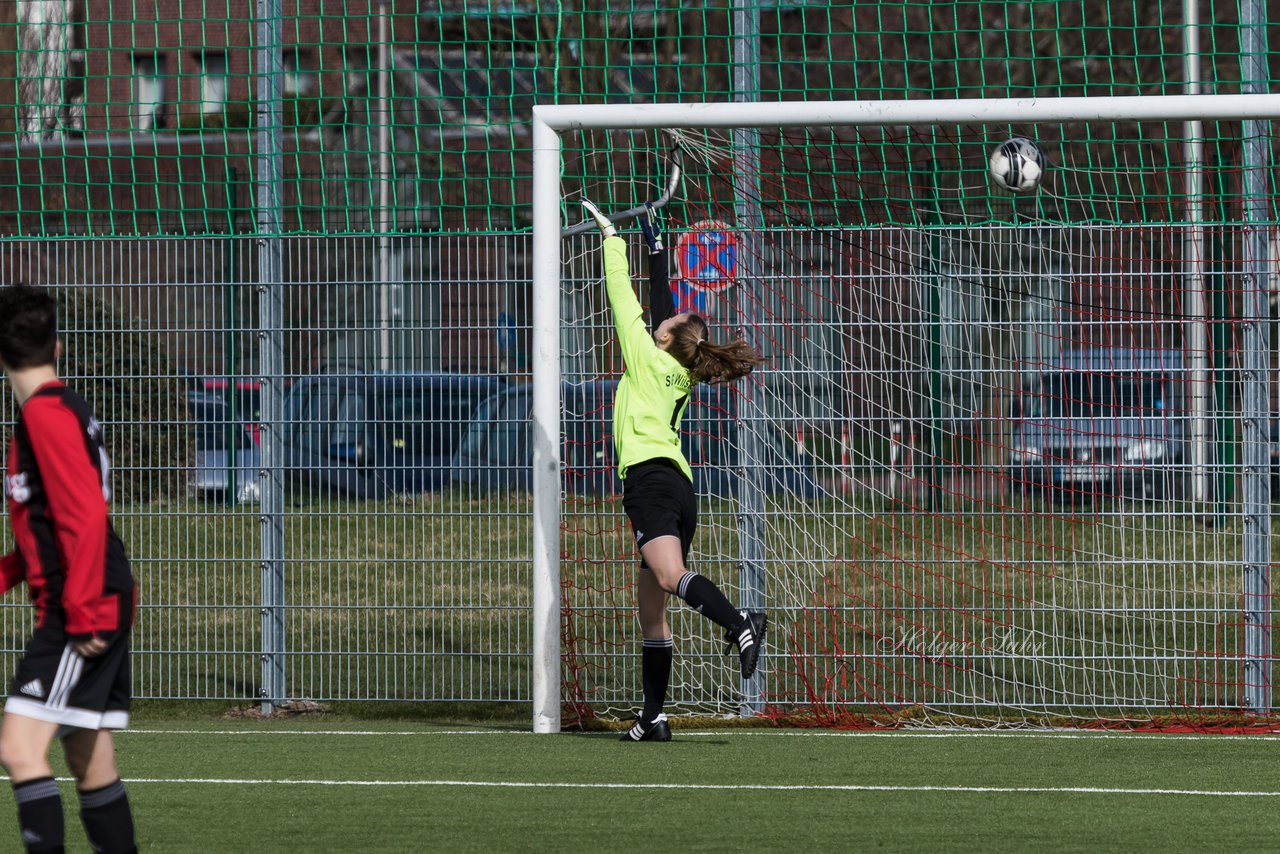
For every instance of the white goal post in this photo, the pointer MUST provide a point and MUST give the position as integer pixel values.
(549, 122)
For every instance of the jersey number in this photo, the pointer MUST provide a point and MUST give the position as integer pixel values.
(675, 413)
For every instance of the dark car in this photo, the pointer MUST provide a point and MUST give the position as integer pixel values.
(226, 456)
(241, 395)
(247, 396)
(1103, 422)
(367, 435)
(497, 453)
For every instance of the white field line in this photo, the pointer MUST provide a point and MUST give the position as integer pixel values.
(507, 784)
(740, 733)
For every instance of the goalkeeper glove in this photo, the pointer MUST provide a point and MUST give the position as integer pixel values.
(602, 222)
(652, 237)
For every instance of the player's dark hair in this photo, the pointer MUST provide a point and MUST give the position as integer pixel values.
(28, 327)
(709, 361)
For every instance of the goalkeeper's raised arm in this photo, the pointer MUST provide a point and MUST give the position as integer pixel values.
(628, 317)
(661, 304)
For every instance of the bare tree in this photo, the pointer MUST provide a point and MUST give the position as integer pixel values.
(44, 51)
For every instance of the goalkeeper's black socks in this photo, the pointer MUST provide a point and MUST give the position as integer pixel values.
(108, 819)
(40, 814)
(705, 598)
(655, 674)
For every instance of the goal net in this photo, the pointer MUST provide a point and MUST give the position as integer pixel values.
(1008, 458)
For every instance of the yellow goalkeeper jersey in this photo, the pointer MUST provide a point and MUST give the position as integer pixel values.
(654, 388)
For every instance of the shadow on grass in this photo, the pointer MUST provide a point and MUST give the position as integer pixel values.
(472, 715)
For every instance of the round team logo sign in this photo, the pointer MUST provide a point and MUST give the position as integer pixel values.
(707, 256)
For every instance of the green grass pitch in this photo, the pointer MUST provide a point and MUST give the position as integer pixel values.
(326, 785)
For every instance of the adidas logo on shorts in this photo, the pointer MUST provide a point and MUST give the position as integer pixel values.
(32, 689)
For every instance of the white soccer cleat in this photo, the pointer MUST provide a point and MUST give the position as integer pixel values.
(603, 223)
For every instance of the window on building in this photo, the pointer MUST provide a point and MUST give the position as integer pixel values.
(73, 92)
(299, 73)
(213, 81)
(356, 63)
(148, 91)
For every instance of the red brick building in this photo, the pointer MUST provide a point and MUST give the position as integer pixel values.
(187, 64)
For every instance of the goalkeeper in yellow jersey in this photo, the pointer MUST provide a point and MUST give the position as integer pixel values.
(662, 363)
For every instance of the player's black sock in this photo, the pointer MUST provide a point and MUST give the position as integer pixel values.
(40, 814)
(108, 819)
(655, 673)
(705, 598)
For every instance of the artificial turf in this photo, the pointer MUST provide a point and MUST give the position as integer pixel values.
(319, 785)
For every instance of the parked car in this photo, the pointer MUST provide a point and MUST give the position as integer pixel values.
(226, 457)
(367, 435)
(243, 392)
(248, 400)
(1102, 422)
(497, 451)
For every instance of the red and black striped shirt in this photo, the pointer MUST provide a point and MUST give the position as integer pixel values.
(57, 486)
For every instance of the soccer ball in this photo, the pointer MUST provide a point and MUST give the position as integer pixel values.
(1017, 165)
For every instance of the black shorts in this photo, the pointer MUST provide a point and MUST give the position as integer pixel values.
(55, 683)
(659, 501)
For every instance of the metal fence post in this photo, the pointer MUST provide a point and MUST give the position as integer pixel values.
(231, 361)
(746, 200)
(1255, 358)
(386, 216)
(270, 133)
(933, 404)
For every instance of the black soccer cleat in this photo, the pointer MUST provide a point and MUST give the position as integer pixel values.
(656, 730)
(749, 637)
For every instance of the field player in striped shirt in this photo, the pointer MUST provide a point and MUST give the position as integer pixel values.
(662, 363)
(73, 680)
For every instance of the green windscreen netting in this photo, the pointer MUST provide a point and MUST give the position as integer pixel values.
(127, 117)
